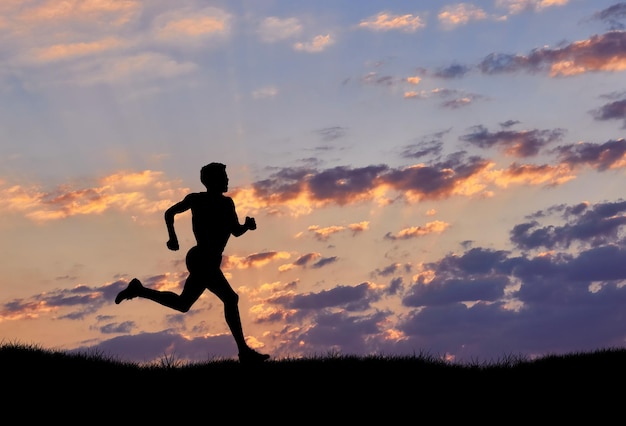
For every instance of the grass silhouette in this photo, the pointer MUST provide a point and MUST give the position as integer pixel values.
(333, 388)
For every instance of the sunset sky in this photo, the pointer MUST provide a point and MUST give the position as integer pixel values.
(426, 176)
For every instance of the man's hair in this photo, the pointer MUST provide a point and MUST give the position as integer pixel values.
(210, 172)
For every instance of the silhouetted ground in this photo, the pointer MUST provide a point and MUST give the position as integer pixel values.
(584, 387)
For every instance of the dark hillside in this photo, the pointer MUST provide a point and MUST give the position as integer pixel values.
(373, 389)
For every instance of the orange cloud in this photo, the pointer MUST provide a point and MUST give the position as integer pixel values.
(518, 6)
(386, 22)
(286, 267)
(131, 179)
(63, 51)
(167, 281)
(602, 52)
(318, 44)
(533, 174)
(123, 191)
(413, 80)
(297, 204)
(118, 12)
(177, 26)
(460, 14)
(359, 227)
(435, 227)
(569, 68)
(193, 27)
(255, 260)
(28, 310)
(303, 260)
(324, 233)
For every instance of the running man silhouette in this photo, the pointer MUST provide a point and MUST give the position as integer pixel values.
(213, 219)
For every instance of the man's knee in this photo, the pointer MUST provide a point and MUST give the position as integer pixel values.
(231, 298)
(184, 305)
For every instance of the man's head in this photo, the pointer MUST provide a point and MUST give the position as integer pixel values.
(214, 177)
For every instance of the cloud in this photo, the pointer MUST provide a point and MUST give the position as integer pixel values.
(59, 52)
(111, 12)
(315, 260)
(440, 179)
(422, 149)
(324, 261)
(350, 297)
(605, 156)
(456, 290)
(413, 80)
(453, 99)
(42, 31)
(308, 187)
(596, 225)
(385, 21)
(532, 174)
(254, 260)
(125, 327)
(186, 27)
(612, 111)
(452, 71)
(435, 227)
(373, 78)
(426, 146)
(541, 298)
(332, 332)
(331, 133)
(519, 144)
(393, 269)
(460, 14)
(319, 43)
(357, 228)
(509, 123)
(273, 29)
(612, 15)
(95, 42)
(306, 259)
(299, 191)
(599, 53)
(123, 191)
(324, 233)
(80, 300)
(519, 6)
(461, 102)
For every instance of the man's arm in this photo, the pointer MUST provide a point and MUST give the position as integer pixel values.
(237, 228)
(249, 225)
(179, 207)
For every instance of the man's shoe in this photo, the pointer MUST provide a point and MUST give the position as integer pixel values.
(134, 286)
(251, 356)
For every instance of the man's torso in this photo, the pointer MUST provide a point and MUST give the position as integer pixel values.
(212, 219)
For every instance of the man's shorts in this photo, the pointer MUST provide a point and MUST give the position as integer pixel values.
(201, 260)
